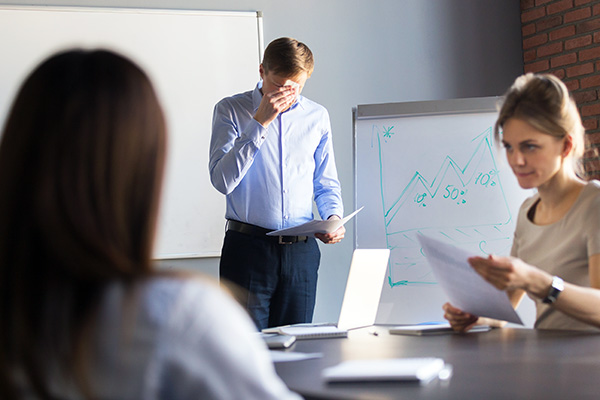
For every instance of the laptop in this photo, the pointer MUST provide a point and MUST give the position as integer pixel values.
(363, 288)
(361, 298)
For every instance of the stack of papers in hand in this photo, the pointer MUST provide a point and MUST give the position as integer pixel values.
(435, 329)
(311, 227)
(465, 288)
(395, 369)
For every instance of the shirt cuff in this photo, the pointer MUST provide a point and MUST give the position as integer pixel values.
(256, 132)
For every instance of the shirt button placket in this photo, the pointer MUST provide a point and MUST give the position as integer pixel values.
(283, 175)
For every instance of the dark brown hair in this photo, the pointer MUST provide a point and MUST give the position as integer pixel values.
(288, 57)
(81, 165)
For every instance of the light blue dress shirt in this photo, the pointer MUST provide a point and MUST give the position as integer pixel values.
(270, 175)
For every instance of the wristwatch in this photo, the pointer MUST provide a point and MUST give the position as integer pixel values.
(555, 289)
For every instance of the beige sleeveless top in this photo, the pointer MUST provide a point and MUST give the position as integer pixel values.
(562, 249)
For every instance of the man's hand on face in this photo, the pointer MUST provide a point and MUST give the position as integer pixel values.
(274, 103)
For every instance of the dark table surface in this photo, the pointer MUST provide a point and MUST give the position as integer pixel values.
(503, 363)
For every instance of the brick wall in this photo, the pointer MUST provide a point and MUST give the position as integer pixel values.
(562, 37)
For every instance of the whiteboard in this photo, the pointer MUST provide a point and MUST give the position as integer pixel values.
(429, 168)
(194, 58)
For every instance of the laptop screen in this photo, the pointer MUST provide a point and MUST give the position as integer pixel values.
(363, 289)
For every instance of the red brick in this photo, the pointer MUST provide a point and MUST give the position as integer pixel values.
(596, 9)
(590, 171)
(580, 2)
(565, 59)
(589, 54)
(536, 13)
(535, 41)
(572, 85)
(578, 42)
(540, 2)
(539, 66)
(589, 151)
(549, 49)
(562, 32)
(548, 23)
(592, 159)
(559, 6)
(590, 81)
(593, 138)
(528, 30)
(592, 152)
(527, 4)
(592, 164)
(582, 69)
(577, 15)
(590, 176)
(529, 56)
(559, 73)
(588, 26)
(590, 124)
(586, 96)
(596, 37)
(587, 111)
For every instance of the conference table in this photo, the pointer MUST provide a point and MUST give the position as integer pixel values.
(505, 363)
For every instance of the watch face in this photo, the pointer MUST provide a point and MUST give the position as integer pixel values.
(558, 284)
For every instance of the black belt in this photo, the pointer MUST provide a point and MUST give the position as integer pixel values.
(254, 230)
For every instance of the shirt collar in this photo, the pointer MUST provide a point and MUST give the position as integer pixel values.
(257, 98)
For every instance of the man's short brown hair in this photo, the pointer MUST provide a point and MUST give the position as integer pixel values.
(288, 57)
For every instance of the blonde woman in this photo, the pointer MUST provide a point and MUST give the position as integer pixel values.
(555, 257)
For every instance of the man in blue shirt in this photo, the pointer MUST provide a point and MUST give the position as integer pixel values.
(271, 151)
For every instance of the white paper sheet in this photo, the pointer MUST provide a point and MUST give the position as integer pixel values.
(394, 369)
(315, 332)
(311, 227)
(465, 288)
(286, 356)
(434, 329)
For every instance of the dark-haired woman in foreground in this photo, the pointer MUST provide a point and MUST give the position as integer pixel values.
(82, 312)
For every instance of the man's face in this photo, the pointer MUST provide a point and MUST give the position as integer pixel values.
(273, 82)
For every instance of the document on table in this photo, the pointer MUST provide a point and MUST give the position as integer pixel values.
(315, 226)
(396, 369)
(465, 288)
(428, 330)
(309, 331)
(323, 332)
(278, 356)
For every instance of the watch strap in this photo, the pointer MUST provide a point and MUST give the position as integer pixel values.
(555, 289)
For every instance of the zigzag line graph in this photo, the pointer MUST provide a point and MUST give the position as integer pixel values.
(463, 203)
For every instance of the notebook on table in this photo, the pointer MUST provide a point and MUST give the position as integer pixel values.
(434, 329)
(361, 299)
(421, 369)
